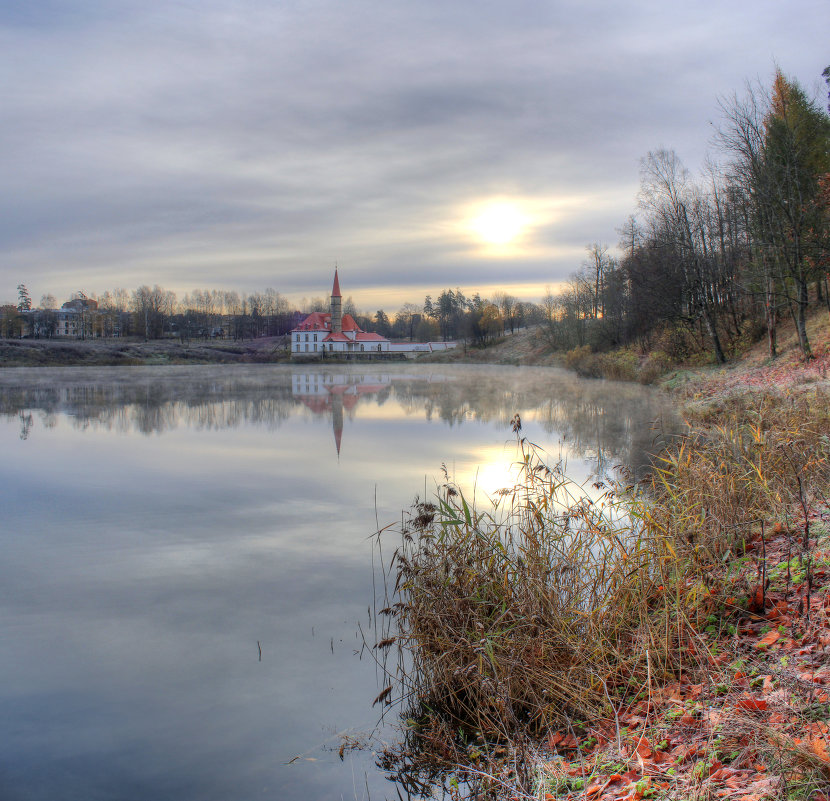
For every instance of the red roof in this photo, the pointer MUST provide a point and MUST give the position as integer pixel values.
(321, 321)
(348, 324)
(316, 321)
(335, 290)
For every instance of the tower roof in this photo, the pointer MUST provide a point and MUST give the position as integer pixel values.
(335, 290)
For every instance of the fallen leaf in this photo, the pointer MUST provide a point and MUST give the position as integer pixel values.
(768, 639)
(644, 749)
(752, 704)
(818, 746)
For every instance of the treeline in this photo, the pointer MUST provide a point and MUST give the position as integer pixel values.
(152, 313)
(156, 312)
(712, 262)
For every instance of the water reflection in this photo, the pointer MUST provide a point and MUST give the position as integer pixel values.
(606, 422)
(160, 525)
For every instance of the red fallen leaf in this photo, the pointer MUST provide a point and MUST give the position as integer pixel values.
(721, 774)
(644, 749)
(631, 776)
(555, 739)
(689, 720)
(752, 704)
(694, 691)
(756, 600)
(716, 766)
(569, 742)
(818, 746)
(770, 638)
(593, 789)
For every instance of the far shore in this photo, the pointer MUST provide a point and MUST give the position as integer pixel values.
(266, 350)
(135, 351)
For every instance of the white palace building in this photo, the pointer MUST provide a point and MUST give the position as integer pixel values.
(332, 332)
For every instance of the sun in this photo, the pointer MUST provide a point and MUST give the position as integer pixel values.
(499, 223)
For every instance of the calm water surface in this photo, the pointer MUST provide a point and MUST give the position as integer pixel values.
(187, 559)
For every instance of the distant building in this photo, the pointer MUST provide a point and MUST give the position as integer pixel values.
(334, 332)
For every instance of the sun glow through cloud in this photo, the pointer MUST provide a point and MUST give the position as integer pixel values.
(499, 223)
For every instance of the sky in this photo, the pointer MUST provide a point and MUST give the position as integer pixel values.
(419, 145)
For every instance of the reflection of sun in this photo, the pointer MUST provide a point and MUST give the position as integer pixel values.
(498, 222)
(495, 471)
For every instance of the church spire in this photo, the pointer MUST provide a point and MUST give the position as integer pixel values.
(335, 308)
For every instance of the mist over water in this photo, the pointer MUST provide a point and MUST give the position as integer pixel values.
(188, 560)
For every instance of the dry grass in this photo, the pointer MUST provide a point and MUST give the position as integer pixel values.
(551, 607)
(534, 612)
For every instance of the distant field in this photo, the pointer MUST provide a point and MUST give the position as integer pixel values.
(57, 352)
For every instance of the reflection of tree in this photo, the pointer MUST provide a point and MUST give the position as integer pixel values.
(603, 421)
(26, 421)
(153, 407)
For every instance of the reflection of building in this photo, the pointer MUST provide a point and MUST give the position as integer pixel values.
(334, 332)
(330, 394)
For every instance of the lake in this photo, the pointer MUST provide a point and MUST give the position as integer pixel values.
(188, 563)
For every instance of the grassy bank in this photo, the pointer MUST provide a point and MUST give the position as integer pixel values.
(660, 641)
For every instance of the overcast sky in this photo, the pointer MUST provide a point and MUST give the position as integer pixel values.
(245, 144)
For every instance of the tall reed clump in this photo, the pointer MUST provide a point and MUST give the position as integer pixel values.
(541, 607)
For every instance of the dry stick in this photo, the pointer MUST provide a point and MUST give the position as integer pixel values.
(616, 717)
(763, 569)
(802, 500)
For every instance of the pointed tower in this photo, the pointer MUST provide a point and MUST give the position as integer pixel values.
(336, 311)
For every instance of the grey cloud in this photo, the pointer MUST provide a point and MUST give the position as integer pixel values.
(244, 143)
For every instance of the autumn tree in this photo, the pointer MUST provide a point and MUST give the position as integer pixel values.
(675, 206)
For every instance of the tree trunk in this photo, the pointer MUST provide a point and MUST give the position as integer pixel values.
(801, 320)
(772, 332)
(713, 334)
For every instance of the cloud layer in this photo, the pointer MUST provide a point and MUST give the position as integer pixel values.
(249, 144)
